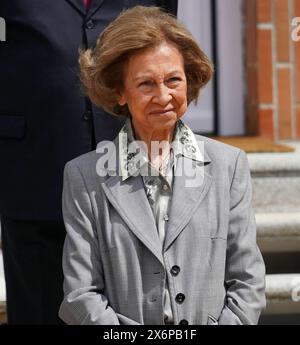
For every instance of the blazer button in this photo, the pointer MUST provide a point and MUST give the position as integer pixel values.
(86, 116)
(183, 322)
(175, 270)
(180, 298)
(89, 24)
(165, 187)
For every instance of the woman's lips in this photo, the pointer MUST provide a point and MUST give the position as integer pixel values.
(162, 112)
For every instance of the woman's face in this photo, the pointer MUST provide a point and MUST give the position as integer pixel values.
(155, 88)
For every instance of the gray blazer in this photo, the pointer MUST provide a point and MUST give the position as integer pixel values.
(115, 266)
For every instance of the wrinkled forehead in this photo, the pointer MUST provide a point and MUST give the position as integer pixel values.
(162, 59)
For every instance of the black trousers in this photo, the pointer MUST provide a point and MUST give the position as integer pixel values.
(32, 256)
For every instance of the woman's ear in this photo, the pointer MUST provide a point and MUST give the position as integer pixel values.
(121, 98)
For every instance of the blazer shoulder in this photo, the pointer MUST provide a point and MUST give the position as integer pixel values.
(84, 164)
(93, 164)
(218, 150)
(225, 159)
(82, 160)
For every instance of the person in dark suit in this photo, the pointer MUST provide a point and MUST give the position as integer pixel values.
(45, 121)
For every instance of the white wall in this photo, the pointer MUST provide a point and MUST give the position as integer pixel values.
(196, 15)
(230, 67)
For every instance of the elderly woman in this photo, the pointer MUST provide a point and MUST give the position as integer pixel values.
(170, 237)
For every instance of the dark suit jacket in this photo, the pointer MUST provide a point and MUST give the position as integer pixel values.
(44, 118)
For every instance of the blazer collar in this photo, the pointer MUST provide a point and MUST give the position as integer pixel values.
(79, 6)
(191, 183)
(128, 198)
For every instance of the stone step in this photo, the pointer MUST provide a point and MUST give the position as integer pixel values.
(278, 232)
(283, 294)
(276, 181)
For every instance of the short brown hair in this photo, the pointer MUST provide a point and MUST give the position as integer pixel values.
(134, 30)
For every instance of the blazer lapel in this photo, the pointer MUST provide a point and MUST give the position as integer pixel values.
(129, 199)
(187, 195)
(94, 7)
(79, 5)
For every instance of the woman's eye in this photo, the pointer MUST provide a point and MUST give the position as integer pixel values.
(174, 79)
(146, 83)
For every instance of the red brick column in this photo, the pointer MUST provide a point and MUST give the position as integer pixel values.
(277, 66)
(297, 74)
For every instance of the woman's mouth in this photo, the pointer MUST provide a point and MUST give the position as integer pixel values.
(159, 112)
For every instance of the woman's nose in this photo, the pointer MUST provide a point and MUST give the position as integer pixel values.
(163, 95)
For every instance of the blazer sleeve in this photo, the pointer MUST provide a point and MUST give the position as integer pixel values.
(84, 301)
(245, 269)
